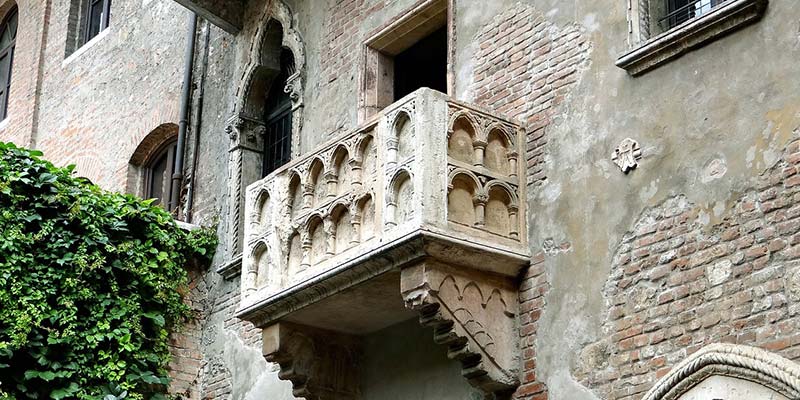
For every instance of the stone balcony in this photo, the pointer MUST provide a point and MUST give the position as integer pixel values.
(419, 210)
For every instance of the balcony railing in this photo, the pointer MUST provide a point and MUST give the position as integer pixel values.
(425, 164)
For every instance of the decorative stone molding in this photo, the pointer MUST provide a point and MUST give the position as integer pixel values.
(474, 315)
(729, 16)
(737, 361)
(320, 364)
(627, 155)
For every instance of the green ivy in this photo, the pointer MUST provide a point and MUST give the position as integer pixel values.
(91, 285)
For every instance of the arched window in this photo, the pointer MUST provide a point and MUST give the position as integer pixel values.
(278, 118)
(158, 176)
(8, 36)
(150, 168)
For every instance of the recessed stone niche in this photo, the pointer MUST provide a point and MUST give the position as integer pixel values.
(417, 211)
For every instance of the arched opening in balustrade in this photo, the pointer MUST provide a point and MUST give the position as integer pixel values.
(496, 155)
(340, 163)
(463, 189)
(461, 139)
(343, 228)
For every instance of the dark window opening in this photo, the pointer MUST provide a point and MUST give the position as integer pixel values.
(8, 38)
(424, 64)
(680, 11)
(97, 16)
(278, 118)
(158, 182)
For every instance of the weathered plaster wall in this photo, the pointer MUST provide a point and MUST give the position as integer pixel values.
(402, 362)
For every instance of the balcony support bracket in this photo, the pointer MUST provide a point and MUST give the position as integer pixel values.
(474, 314)
(320, 364)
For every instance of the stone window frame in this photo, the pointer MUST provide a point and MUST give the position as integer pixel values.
(646, 53)
(376, 78)
(77, 30)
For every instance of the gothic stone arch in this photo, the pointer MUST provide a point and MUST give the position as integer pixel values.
(747, 368)
(276, 31)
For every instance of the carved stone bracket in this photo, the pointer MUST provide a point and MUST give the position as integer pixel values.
(320, 364)
(474, 315)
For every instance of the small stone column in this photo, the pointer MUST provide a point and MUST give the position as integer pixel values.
(355, 168)
(355, 221)
(512, 163)
(330, 236)
(308, 195)
(305, 262)
(391, 213)
(480, 148)
(392, 144)
(479, 201)
(513, 221)
(331, 180)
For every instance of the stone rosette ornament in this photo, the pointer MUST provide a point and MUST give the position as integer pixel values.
(627, 155)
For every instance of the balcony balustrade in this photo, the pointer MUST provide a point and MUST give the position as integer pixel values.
(420, 209)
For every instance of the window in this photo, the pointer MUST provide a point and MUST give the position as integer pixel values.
(8, 36)
(278, 118)
(158, 178)
(87, 18)
(410, 53)
(662, 30)
(97, 15)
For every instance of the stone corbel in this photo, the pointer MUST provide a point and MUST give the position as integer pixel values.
(320, 364)
(474, 315)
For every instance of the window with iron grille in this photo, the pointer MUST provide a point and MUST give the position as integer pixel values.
(278, 118)
(8, 37)
(663, 30)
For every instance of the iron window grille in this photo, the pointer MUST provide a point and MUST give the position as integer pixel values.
(278, 119)
(680, 11)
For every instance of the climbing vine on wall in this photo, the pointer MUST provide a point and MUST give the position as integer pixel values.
(91, 285)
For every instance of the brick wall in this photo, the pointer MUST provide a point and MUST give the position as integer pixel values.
(187, 358)
(342, 47)
(679, 282)
(524, 68)
(532, 292)
(33, 17)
